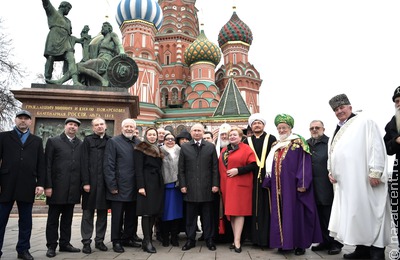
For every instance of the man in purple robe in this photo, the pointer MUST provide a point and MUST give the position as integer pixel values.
(294, 218)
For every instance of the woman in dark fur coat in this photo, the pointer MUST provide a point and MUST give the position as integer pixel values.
(150, 185)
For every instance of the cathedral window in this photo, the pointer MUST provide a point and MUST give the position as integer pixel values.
(143, 40)
(132, 39)
(144, 93)
(183, 94)
(164, 97)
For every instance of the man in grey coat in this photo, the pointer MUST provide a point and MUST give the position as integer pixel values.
(62, 187)
(119, 176)
(199, 180)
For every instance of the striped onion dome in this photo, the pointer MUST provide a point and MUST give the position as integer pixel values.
(147, 10)
(202, 50)
(235, 30)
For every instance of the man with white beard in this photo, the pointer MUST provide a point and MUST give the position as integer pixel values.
(222, 140)
(392, 142)
(261, 143)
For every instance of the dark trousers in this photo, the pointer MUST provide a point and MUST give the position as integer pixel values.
(66, 211)
(87, 225)
(123, 220)
(206, 212)
(324, 214)
(24, 224)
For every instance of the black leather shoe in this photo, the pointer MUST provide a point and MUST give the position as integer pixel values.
(131, 243)
(189, 244)
(51, 252)
(101, 246)
(117, 247)
(137, 239)
(25, 255)
(357, 255)
(320, 247)
(334, 250)
(232, 246)
(299, 251)
(211, 246)
(86, 249)
(69, 248)
(148, 247)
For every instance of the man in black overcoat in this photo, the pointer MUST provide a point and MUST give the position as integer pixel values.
(94, 190)
(22, 176)
(62, 188)
(199, 181)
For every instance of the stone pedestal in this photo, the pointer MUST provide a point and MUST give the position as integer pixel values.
(50, 105)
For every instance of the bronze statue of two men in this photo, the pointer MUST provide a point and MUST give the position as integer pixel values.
(104, 61)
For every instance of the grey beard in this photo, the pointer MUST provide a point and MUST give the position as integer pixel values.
(397, 115)
(224, 144)
(283, 137)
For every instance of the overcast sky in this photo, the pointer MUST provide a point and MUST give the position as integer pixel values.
(305, 50)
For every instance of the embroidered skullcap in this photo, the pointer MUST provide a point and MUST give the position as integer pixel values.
(256, 117)
(224, 128)
(284, 118)
(338, 101)
(396, 93)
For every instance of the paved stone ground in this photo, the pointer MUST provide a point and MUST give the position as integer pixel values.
(38, 247)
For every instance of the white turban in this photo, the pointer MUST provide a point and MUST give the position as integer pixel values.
(256, 116)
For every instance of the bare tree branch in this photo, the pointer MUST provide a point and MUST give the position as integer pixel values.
(10, 73)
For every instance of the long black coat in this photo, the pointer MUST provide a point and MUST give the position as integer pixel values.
(119, 168)
(198, 171)
(22, 167)
(323, 188)
(260, 219)
(148, 166)
(93, 148)
(63, 170)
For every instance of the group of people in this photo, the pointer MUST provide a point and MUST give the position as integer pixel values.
(285, 193)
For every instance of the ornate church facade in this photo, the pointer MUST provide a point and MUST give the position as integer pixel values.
(179, 83)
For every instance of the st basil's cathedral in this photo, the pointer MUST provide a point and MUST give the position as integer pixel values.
(179, 83)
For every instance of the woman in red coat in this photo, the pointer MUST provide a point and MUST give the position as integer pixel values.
(236, 165)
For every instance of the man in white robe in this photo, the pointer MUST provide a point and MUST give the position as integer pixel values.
(357, 164)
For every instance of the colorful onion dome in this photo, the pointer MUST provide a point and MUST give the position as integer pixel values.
(147, 10)
(235, 30)
(202, 50)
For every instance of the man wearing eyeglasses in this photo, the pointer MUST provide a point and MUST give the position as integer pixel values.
(323, 189)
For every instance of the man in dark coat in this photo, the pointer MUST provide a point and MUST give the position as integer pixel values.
(323, 188)
(199, 181)
(62, 188)
(94, 190)
(22, 175)
(392, 143)
(261, 143)
(119, 176)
